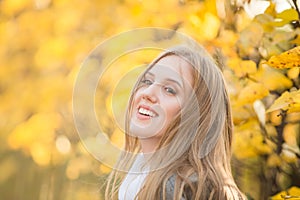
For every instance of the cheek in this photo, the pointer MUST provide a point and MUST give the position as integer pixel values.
(172, 109)
(135, 99)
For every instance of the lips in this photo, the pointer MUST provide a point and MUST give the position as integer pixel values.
(145, 112)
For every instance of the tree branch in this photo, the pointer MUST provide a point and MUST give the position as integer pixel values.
(279, 130)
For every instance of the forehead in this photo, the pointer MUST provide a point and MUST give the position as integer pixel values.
(173, 66)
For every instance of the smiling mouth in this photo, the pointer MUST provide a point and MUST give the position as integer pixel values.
(146, 112)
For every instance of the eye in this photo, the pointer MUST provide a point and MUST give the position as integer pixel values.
(170, 90)
(147, 82)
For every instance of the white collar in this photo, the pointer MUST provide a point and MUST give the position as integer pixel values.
(134, 179)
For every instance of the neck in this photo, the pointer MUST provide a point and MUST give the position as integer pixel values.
(149, 145)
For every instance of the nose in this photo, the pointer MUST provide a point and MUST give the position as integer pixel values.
(150, 93)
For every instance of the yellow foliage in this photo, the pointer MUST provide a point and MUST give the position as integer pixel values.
(296, 39)
(293, 117)
(288, 155)
(212, 22)
(252, 92)
(272, 79)
(78, 166)
(118, 138)
(102, 148)
(41, 153)
(286, 16)
(271, 130)
(265, 21)
(225, 41)
(293, 73)
(274, 160)
(289, 101)
(275, 117)
(290, 134)
(242, 68)
(260, 111)
(250, 39)
(40, 128)
(42, 4)
(275, 42)
(105, 169)
(12, 7)
(51, 53)
(243, 20)
(249, 141)
(208, 20)
(287, 59)
(240, 114)
(292, 193)
(242, 149)
(8, 168)
(271, 10)
(69, 20)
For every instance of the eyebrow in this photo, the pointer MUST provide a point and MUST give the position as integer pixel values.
(167, 79)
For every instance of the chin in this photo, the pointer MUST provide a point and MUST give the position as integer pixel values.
(143, 131)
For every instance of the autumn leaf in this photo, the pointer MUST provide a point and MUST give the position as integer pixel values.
(290, 134)
(289, 101)
(271, 9)
(249, 141)
(293, 73)
(260, 111)
(291, 193)
(252, 92)
(240, 114)
(288, 59)
(275, 42)
(208, 20)
(266, 22)
(12, 7)
(271, 78)
(296, 39)
(250, 39)
(285, 17)
(242, 67)
(38, 128)
(289, 154)
(274, 160)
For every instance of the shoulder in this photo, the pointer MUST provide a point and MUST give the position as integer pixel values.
(187, 191)
(231, 191)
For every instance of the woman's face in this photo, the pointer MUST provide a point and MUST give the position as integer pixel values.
(160, 97)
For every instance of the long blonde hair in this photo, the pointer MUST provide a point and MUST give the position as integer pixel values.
(197, 144)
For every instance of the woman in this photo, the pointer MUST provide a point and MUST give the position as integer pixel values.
(178, 132)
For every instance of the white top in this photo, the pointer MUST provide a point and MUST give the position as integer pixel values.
(133, 180)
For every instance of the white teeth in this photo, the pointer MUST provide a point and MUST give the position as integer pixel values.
(146, 112)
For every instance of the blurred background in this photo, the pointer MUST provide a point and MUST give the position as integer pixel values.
(44, 42)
